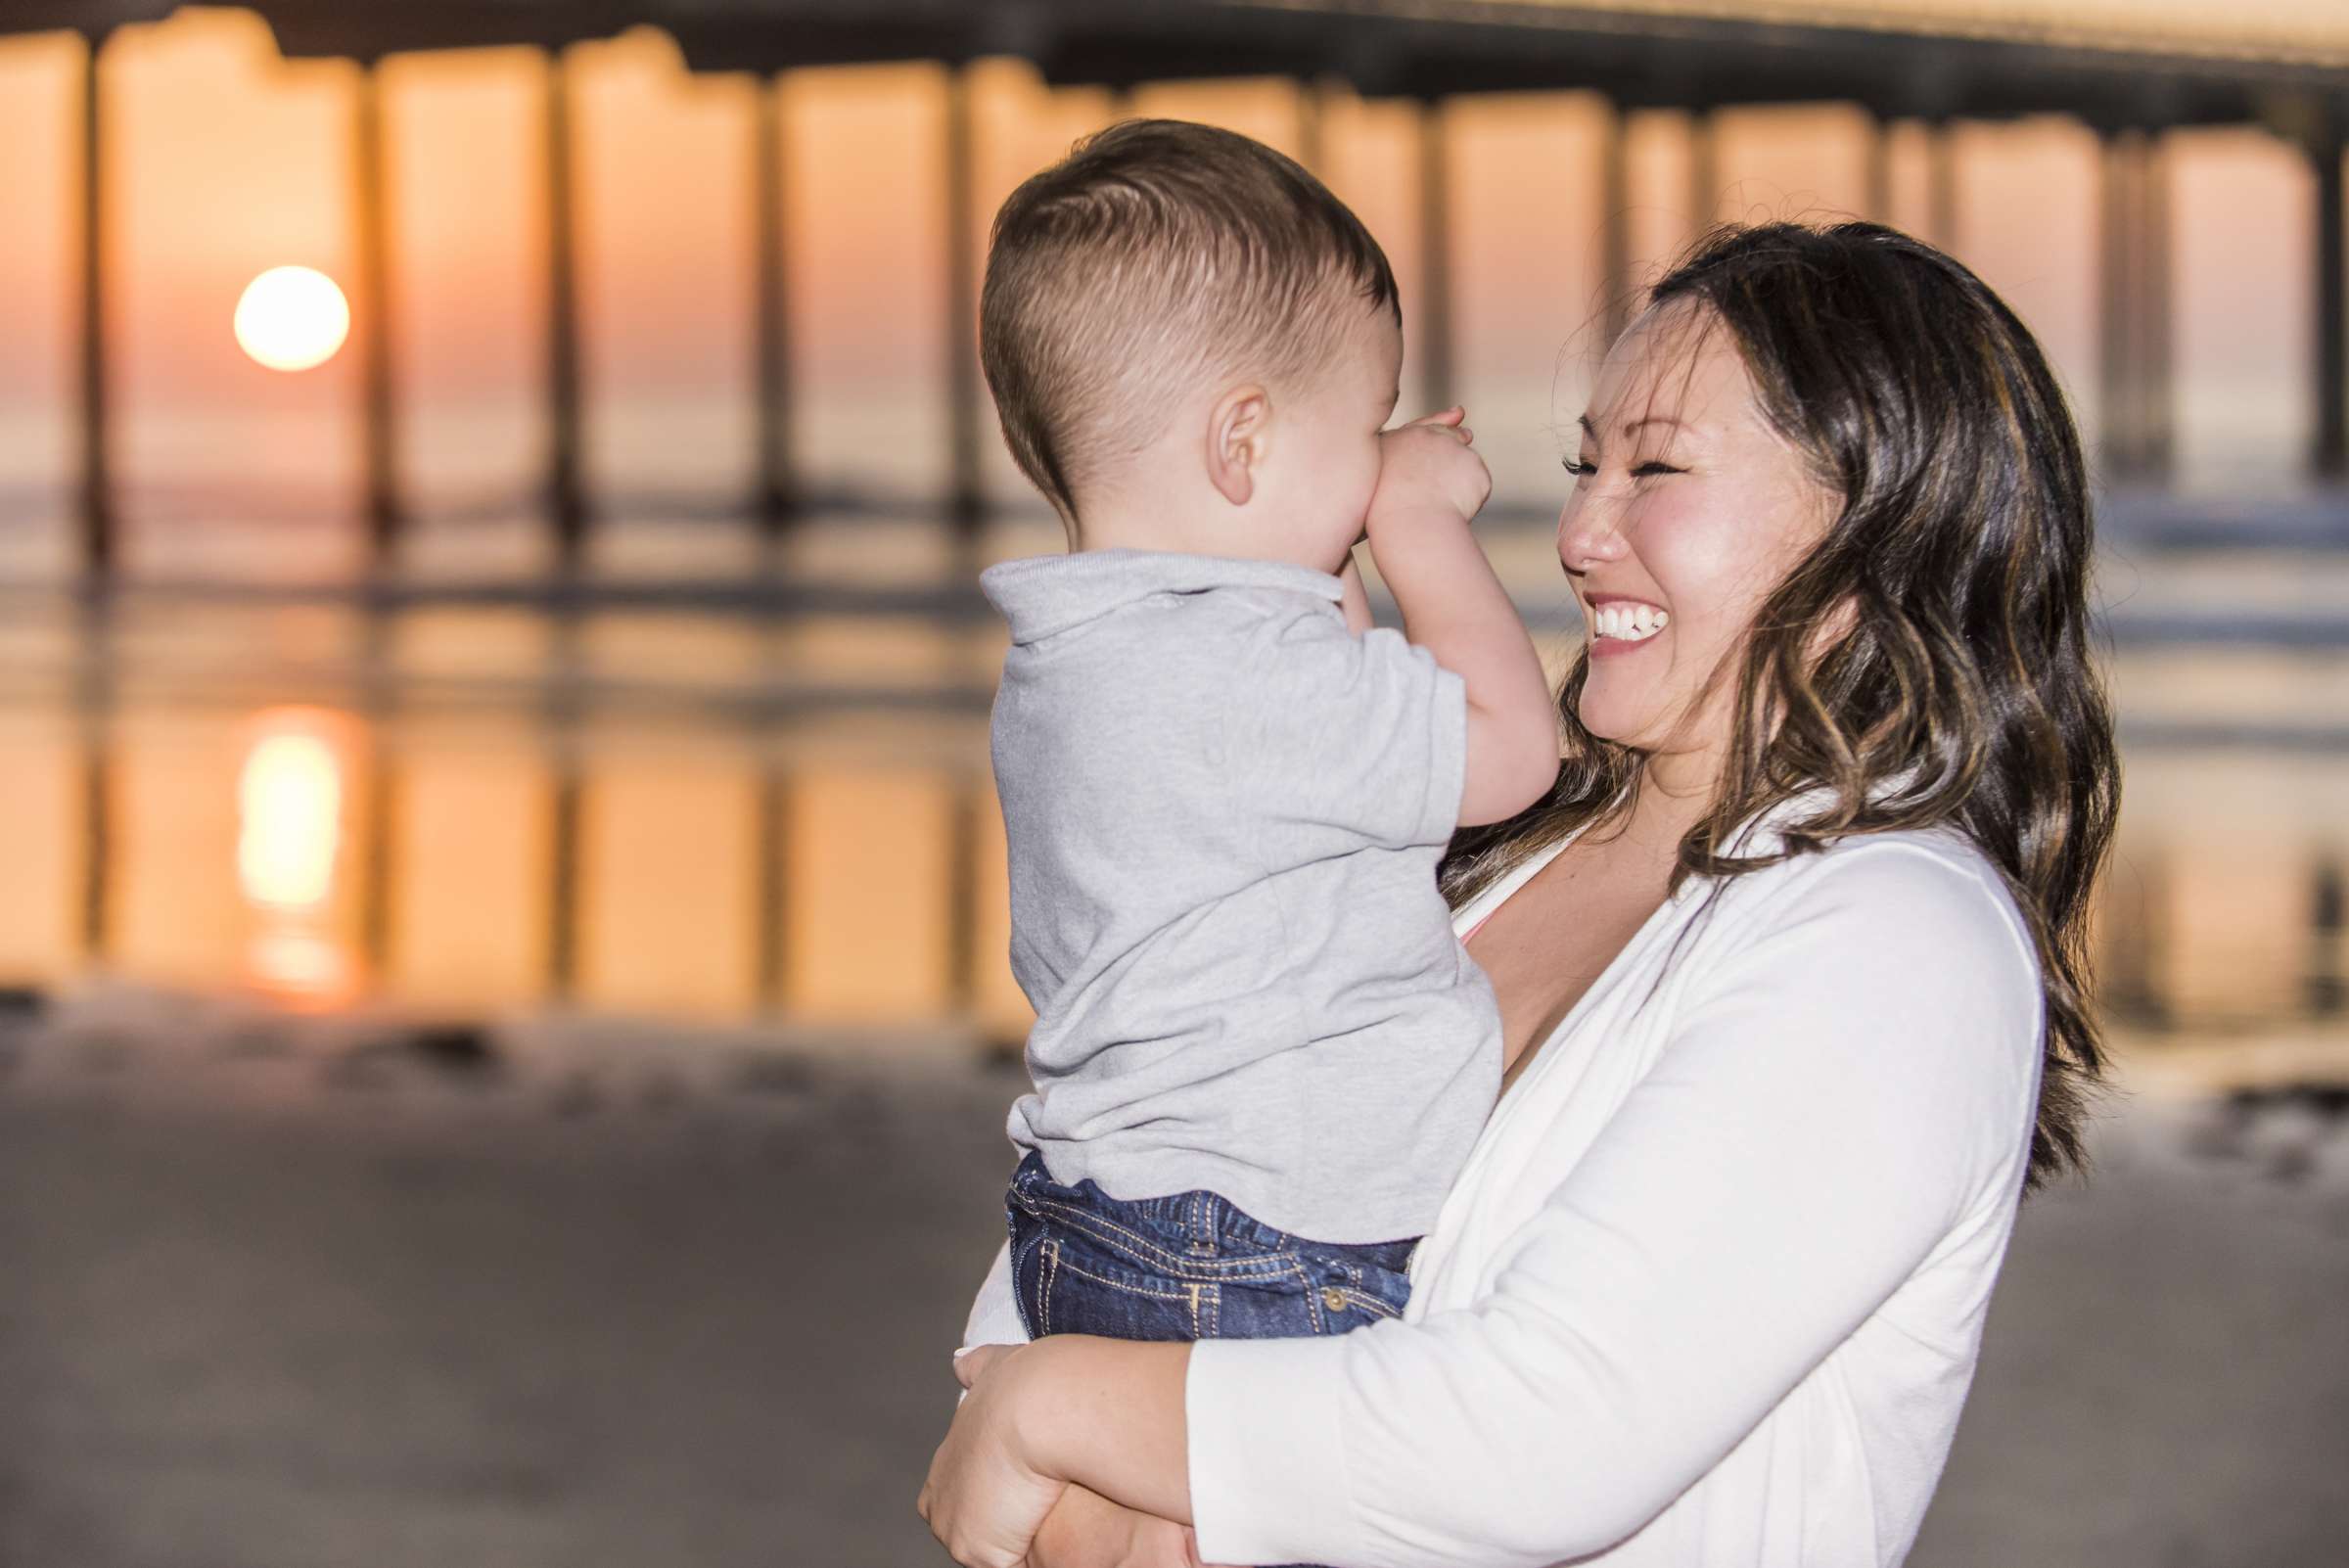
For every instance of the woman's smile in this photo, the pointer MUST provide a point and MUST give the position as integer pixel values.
(1620, 624)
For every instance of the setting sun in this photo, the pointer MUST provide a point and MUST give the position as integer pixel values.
(291, 318)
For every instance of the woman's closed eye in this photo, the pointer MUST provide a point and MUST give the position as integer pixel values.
(1585, 467)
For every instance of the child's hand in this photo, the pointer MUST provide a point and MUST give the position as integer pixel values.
(1429, 465)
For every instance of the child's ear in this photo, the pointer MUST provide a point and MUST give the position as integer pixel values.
(1238, 434)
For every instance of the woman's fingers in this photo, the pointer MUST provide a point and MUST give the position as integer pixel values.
(981, 1498)
(972, 1364)
(1086, 1529)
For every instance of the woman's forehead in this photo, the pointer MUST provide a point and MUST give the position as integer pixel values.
(1676, 366)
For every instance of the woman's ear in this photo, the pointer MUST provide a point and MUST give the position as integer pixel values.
(1238, 434)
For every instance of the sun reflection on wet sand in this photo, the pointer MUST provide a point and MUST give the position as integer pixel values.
(293, 806)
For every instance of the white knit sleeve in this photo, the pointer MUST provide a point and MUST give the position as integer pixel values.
(1848, 1080)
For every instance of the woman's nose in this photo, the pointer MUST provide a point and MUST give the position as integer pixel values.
(1589, 535)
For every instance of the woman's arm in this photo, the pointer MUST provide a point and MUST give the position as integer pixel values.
(1844, 1087)
(1086, 1529)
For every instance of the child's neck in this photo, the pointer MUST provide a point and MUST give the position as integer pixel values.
(1183, 532)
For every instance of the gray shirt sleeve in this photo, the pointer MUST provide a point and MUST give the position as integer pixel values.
(1338, 741)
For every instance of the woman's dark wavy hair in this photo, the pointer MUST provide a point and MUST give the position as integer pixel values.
(1965, 692)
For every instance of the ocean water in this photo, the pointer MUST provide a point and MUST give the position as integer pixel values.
(732, 779)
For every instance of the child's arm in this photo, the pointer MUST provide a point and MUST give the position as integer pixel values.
(1430, 484)
(1356, 603)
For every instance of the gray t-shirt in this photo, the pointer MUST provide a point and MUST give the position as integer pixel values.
(1225, 812)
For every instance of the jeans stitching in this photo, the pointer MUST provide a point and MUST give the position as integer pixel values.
(1083, 1273)
(1044, 1288)
(1086, 1216)
(1269, 1265)
(1019, 1258)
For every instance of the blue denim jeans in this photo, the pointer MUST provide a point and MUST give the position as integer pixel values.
(1186, 1266)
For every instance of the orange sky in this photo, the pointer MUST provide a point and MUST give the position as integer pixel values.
(226, 159)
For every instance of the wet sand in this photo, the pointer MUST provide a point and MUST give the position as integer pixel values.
(268, 1300)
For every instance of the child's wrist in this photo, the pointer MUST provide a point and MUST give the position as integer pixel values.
(1409, 511)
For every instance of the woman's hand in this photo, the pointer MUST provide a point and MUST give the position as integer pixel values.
(1086, 1529)
(1103, 1414)
(985, 1498)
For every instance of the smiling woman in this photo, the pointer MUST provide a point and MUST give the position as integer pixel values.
(291, 318)
(1789, 976)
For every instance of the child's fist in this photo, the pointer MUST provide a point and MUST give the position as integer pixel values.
(1430, 465)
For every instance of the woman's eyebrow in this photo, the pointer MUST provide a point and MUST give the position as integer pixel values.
(1630, 426)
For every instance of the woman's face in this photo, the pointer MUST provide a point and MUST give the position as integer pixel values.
(1687, 510)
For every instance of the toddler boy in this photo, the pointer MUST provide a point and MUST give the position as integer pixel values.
(1260, 1054)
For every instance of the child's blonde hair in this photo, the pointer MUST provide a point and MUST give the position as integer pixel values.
(1157, 253)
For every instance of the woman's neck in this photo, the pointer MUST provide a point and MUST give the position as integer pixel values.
(1673, 797)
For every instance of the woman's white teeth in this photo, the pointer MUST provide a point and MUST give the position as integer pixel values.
(1631, 622)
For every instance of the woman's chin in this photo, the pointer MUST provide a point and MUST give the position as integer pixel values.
(1605, 722)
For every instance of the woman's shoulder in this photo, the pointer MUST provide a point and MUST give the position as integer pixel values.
(1898, 966)
(1923, 899)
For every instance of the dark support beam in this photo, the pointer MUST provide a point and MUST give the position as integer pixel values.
(770, 829)
(1615, 223)
(972, 797)
(1878, 197)
(1312, 99)
(370, 210)
(563, 881)
(2331, 453)
(96, 780)
(1704, 171)
(2135, 308)
(379, 844)
(1435, 371)
(1941, 185)
(2328, 918)
(567, 501)
(383, 795)
(2135, 931)
(563, 718)
(98, 540)
(2156, 412)
(2119, 433)
(777, 492)
(965, 502)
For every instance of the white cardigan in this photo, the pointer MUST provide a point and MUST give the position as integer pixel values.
(1710, 1289)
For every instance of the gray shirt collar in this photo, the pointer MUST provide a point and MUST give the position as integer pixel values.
(1044, 595)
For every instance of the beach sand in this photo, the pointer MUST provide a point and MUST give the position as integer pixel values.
(276, 1295)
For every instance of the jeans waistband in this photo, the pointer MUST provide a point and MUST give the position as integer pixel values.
(1198, 1216)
